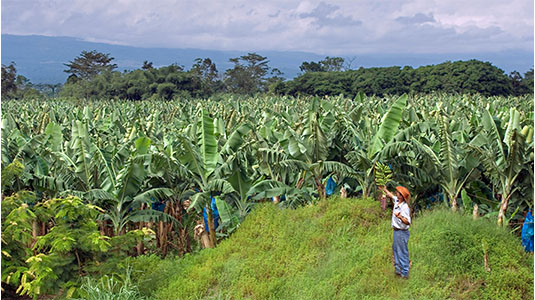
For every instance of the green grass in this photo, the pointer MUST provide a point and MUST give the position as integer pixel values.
(341, 249)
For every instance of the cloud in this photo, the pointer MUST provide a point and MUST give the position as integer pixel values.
(418, 18)
(332, 28)
(324, 15)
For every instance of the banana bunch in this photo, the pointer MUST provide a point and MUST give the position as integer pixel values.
(383, 174)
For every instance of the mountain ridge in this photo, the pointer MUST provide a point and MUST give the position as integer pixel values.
(41, 58)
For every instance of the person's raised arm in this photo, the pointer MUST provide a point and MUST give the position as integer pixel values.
(388, 193)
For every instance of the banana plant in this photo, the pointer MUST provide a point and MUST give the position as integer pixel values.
(503, 156)
(308, 149)
(127, 190)
(452, 171)
(368, 153)
(201, 159)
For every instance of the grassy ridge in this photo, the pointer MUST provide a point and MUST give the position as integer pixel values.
(341, 249)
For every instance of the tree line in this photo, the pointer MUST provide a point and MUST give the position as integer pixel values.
(94, 75)
(465, 77)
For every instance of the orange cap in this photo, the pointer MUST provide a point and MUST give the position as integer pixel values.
(404, 192)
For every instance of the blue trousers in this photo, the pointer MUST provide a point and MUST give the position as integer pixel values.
(400, 246)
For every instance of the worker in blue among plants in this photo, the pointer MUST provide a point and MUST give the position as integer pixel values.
(401, 221)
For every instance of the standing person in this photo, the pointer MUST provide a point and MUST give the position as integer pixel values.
(401, 221)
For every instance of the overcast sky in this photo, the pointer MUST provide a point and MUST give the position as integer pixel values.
(323, 27)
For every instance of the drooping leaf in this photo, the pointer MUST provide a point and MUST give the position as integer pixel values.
(493, 134)
(219, 185)
(514, 123)
(236, 138)
(130, 179)
(154, 194)
(467, 201)
(142, 145)
(240, 183)
(207, 143)
(389, 126)
(226, 212)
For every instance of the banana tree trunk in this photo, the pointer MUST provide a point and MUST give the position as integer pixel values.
(182, 234)
(454, 205)
(186, 242)
(35, 231)
(300, 182)
(162, 234)
(475, 213)
(321, 189)
(140, 246)
(205, 240)
(343, 192)
(366, 189)
(200, 233)
(503, 208)
(101, 227)
(211, 227)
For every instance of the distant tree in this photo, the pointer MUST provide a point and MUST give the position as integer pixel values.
(16, 86)
(89, 64)
(26, 89)
(329, 64)
(205, 71)
(248, 74)
(9, 77)
(48, 89)
(166, 90)
(147, 65)
(332, 64)
(528, 81)
(517, 82)
(348, 63)
(307, 67)
(274, 81)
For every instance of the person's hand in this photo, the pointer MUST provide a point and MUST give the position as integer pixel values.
(398, 215)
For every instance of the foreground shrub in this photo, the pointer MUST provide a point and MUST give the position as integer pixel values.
(110, 288)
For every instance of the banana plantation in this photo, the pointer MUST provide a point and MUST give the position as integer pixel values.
(85, 182)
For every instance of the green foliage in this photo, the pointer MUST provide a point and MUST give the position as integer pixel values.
(123, 156)
(65, 249)
(164, 83)
(206, 72)
(45, 264)
(295, 143)
(17, 238)
(126, 242)
(10, 173)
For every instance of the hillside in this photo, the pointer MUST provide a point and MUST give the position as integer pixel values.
(341, 249)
